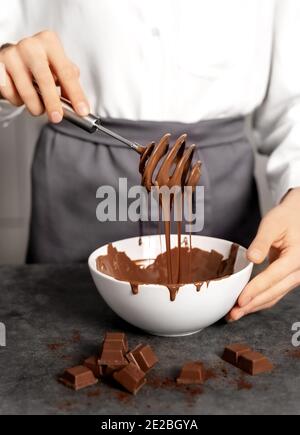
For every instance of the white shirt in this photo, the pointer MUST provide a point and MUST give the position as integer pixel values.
(183, 60)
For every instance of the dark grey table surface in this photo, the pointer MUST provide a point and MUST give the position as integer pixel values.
(55, 318)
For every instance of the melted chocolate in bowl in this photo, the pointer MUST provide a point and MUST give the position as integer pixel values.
(161, 166)
(196, 266)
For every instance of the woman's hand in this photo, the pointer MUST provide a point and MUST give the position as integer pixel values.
(41, 57)
(279, 238)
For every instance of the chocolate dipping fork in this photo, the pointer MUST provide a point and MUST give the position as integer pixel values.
(151, 155)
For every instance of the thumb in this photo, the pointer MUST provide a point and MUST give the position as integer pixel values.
(267, 234)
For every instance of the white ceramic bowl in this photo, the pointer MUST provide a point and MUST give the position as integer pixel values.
(152, 310)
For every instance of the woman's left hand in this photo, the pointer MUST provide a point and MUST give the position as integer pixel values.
(279, 238)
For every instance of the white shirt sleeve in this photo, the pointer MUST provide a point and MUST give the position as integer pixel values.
(12, 28)
(277, 122)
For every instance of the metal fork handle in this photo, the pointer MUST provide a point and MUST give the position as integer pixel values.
(90, 123)
(87, 123)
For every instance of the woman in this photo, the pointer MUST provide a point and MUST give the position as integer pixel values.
(152, 67)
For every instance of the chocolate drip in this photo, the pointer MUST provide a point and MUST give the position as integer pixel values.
(173, 289)
(161, 166)
(199, 286)
(141, 232)
(134, 288)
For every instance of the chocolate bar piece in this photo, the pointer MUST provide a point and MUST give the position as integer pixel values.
(112, 358)
(116, 340)
(108, 371)
(192, 373)
(92, 363)
(233, 352)
(254, 363)
(113, 350)
(78, 377)
(132, 378)
(143, 356)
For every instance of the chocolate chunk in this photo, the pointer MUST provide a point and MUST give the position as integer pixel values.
(254, 363)
(92, 363)
(233, 352)
(132, 378)
(78, 377)
(192, 373)
(116, 340)
(143, 356)
(110, 357)
(112, 353)
(108, 371)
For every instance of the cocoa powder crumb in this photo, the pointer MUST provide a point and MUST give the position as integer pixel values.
(295, 353)
(123, 397)
(76, 338)
(55, 346)
(66, 405)
(67, 357)
(242, 384)
(210, 374)
(94, 393)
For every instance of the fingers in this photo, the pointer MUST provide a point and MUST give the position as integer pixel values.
(22, 80)
(275, 273)
(269, 305)
(270, 230)
(236, 313)
(266, 299)
(41, 58)
(9, 91)
(33, 53)
(66, 72)
(286, 285)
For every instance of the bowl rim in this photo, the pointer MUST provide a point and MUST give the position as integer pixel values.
(93, 268)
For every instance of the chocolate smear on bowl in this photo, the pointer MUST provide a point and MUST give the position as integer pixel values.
(196, 266)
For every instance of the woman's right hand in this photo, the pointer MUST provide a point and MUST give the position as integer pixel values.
(41, 58)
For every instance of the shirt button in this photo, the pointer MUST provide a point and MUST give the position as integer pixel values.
(155, 32)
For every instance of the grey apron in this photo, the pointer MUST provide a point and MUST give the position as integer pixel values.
(70, 165)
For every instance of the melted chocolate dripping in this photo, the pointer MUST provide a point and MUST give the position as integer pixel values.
(162, 166)
(199, 286)
(134, 288)
(183, 264)
(173, 289)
